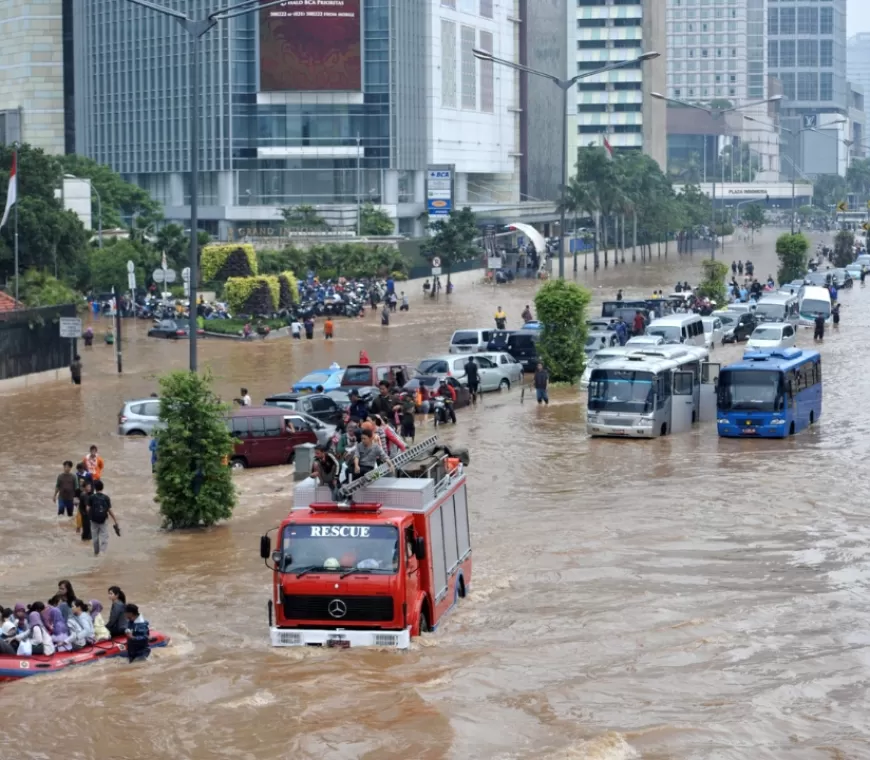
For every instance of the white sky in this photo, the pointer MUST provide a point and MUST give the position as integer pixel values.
(858, 17)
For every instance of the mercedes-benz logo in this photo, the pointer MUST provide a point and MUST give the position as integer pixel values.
(337, 608)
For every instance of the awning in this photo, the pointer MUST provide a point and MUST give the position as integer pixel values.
(532, 234)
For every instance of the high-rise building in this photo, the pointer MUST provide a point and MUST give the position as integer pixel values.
(617, 105)
(858, 61)
(331, 107)
(807, 53)
(35, 81)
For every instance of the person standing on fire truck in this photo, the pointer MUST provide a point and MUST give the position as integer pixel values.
(369, 455)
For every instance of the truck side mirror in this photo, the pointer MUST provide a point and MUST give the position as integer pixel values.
(420, 549)
(265, 547)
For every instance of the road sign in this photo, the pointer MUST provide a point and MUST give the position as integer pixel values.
(185, 274)
(131, 281)
(436, 262)
(868, 204)
(70, 327)
(842, 206)
(163, 275)
(866, 226)
(131, 267)
(436, 271)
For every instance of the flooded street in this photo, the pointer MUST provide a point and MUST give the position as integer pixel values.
(683, 597)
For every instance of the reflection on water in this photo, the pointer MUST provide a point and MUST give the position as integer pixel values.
(686, 597)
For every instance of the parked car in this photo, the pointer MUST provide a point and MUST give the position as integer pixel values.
(319, 405)
(139, 417)
(842, 278)
(601, 324)
(498, 371)
(169, 328)
(262, 438)
(367, 375)
(523, 346)
(818, 279)
(854, 270)
(342, 398)
(713, 332)
(444, 364)
(463, 395)
(328, 379)
(772, 335)
(470, 341)
(599, 339)
(736, 326)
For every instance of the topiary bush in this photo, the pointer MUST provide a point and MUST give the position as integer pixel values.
(252, 295)
(225, 260)
(289, 290)
(561, 308)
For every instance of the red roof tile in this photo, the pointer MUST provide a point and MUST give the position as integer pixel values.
(7, 302)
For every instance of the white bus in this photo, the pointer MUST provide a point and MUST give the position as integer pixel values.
(778, 307)
(814, 300)
(652, 392)
(605, 354)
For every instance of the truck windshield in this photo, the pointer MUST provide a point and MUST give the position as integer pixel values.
(339, 548)
(617, 390)
(745, 390)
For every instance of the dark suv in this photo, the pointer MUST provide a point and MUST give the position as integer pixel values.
(523, 346)
(744, 325)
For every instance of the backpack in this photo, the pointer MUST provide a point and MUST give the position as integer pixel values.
(100, 506)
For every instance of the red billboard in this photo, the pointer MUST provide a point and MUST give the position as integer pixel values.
(311, 45)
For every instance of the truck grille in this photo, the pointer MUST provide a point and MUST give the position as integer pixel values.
(369, 609)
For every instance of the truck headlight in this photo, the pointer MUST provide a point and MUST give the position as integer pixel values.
(723, 421)
(777, 422)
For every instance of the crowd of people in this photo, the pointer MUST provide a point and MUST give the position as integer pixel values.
(67, 624)
(80, 493)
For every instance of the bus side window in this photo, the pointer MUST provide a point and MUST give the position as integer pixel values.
(819, 371)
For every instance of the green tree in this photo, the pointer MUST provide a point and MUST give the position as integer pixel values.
(858, 177)
(828, 190)
(304, 218)
(792, 253)
(712, 285)
(753, 216)
(844, 248)
(453, 240)
(375, 222)
(561, 308)
(194, 485)
(39, 288)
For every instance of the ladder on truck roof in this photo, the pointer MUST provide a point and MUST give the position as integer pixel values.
(408, 455)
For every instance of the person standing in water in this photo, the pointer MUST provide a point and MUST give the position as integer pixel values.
(819, 332)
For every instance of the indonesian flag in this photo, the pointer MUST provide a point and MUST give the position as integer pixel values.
(12, 192)
(608, 147)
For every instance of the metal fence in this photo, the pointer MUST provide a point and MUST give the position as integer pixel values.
(30, 341)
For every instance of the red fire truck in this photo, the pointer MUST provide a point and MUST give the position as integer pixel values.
(381, 565)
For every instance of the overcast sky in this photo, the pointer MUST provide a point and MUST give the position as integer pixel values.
(858, 19)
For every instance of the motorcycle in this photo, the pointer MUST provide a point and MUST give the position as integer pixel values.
(442, 411)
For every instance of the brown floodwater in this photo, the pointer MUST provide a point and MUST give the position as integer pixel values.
(685, 597)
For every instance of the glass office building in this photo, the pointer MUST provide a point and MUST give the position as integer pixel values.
(264, 149)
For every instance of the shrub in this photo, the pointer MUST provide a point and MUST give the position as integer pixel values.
(252, 295)
(194, 485)
(792, 253)
(224, 260)
(713, 284)
(844, 248)
(561, 308)
(289, 290)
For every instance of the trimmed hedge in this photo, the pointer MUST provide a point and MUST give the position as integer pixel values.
(252, 295)
(289, 290)
(224, 260)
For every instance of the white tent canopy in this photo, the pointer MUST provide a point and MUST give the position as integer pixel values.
(536, 237)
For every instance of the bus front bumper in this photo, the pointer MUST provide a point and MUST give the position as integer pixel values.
(301, 637)
(645, 430)
(754, 430)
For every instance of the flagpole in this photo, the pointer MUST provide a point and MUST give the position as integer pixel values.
(15, 164)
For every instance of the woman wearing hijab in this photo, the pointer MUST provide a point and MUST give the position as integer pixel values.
(40, 641)
(101, 633)
(59, 629)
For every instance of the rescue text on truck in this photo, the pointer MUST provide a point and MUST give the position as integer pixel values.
(382, 565)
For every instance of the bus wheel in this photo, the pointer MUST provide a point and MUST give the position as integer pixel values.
(461, 588)
(812, 417)
(424, 623)
(791, 429)
(664, 430)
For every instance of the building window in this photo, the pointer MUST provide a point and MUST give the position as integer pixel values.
(807, 20)
(628, 107)
(627, 22)
(617, 86)
(448, 64)
(826, 86)
(807, 85)
(591, 129)
(628, 44)
(592, 108)
(677, 93)
(589, 23)
(487, 85)
(591, 86)
(826, 54)
(807, 54)
(787, 85)
(786, 54)
(591, 44)
(786, 20)
(773, 54)
(826, 20)
(469, 68)
(486, 8)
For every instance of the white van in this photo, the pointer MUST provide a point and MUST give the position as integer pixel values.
(687, 329)
(778, 307)
(814, 301)
(470, 341)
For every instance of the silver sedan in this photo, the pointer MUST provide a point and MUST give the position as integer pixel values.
(498, 371)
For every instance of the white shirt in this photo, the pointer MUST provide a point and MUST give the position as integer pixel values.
(38, 635)
(335, 365)
(246, 400)
(296, 327)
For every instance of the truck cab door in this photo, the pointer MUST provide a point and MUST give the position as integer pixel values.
(682, 401)
(412, 570)
(709, 388)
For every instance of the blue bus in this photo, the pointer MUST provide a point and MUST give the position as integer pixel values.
(772, 393)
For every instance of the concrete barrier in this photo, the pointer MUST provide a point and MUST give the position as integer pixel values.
(22, 382)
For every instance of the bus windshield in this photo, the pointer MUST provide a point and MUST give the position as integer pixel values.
(617, 390)
(758, 390)
(812, 306)
(339, 547)
(770, 311)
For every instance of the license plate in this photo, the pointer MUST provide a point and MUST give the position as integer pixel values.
(337, 642)
(748, 431)
(618, 431)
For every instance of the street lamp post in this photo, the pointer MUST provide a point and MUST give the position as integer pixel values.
(196, 29)
(565, 85)
(715, 113)
(794, 133)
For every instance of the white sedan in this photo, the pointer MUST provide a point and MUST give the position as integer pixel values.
(714, 332)
(772, 335)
